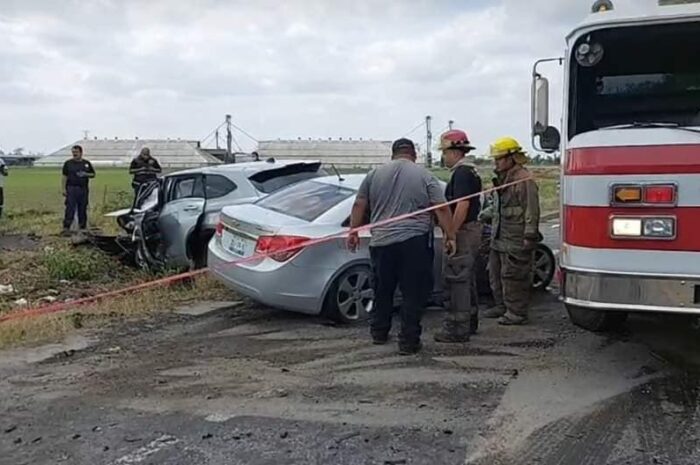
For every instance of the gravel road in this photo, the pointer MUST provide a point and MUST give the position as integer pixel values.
(255, 386)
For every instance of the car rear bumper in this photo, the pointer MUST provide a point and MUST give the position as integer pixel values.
(287, 287)
(634, 293)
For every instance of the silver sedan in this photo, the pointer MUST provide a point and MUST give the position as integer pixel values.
(323, 278)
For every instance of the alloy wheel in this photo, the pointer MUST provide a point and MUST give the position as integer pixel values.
(354, 297)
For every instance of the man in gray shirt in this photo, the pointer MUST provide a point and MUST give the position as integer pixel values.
(401, 251)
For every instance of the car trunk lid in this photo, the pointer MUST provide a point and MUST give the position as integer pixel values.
(242, 226)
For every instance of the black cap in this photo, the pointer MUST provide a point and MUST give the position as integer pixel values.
(403, 144)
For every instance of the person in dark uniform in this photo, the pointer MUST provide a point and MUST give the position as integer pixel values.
(3, 173)
(401, 251)
(144, 169)
(77, 173)
(458, 275)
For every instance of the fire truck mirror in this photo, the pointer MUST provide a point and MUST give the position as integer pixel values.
(550, 139)
(540, 105)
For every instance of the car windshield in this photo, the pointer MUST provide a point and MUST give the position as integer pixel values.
(306, 200)
(269, 181)
(647, 74)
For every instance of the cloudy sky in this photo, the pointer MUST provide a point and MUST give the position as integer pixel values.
(283, 69)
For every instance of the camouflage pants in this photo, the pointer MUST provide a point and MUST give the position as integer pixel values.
(510, 274)
(459, 282)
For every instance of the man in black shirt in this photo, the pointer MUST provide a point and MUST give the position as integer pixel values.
(76, 175)
(144, 168)
(460, 291)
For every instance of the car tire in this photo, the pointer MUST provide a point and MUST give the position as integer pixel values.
(596, 320)
(350, 297)
(544, 267)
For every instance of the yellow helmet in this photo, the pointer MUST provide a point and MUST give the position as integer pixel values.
(508, 146)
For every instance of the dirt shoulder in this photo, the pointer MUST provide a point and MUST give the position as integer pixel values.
(256, 386)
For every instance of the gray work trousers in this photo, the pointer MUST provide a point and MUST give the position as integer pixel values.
(510, 274)
(459, 282)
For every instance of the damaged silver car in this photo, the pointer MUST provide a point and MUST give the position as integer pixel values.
(172, 219)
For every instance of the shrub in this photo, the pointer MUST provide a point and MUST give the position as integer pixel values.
(73, 265)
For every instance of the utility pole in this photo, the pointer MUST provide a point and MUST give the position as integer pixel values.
(429, 143)
(450, 123)
(229, 138)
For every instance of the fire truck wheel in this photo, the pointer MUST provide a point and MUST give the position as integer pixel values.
(596, 320)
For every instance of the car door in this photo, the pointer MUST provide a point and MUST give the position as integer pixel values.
(180, 215)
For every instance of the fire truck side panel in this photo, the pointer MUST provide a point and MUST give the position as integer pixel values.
(602, 272)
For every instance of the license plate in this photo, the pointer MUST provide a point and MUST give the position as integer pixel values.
(235, 244)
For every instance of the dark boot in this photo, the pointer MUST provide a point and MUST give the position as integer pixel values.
(496, 311)
(449, 337)
(510, 319)
(410, 349)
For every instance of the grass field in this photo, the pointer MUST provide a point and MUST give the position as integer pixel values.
(53, 270)
(34, 201)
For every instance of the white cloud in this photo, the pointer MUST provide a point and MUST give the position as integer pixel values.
(310, 68)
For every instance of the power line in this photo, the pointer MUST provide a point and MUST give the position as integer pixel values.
(414, 129)
(245, 133)
(212, 133)
(236, 143)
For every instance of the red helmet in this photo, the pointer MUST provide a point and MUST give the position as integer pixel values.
(455, 139)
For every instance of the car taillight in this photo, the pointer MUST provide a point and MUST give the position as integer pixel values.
(280, 248)
(219, 229)
(660, 194)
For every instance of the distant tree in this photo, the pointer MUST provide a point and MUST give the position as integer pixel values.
(18, 152)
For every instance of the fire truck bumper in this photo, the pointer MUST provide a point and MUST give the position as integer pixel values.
(633, 293)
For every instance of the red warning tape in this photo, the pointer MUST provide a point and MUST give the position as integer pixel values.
(54, 308)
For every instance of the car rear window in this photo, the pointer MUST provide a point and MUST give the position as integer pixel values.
(272, 180)
(306, 200)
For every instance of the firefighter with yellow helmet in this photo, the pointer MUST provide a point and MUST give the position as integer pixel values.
(515, 232)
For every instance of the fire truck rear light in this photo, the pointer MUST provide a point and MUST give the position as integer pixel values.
(660, 194)
(660, 227)
(627, 194)
(643, 228)
(627, 227)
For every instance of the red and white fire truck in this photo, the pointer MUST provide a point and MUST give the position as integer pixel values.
(630, 150)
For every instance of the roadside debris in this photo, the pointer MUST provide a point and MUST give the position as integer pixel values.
(6, 289)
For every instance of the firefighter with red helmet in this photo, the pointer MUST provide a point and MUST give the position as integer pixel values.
(459, 283)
